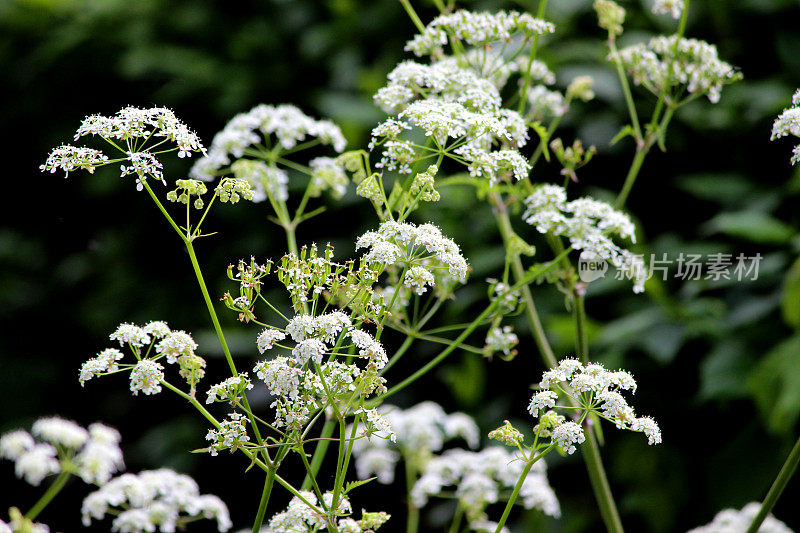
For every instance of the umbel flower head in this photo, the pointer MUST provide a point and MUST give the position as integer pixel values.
(733, 520)
(92, 454)
(137, 134)
(479, 477)
(589, 225)
(476, 29)
(677, 66)
(153, 500)
(788, 123)
(596, 391)
(240, 148)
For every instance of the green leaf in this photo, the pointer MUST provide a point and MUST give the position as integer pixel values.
(355, 484)
(752, 226)
(790, 302)
(774, 383)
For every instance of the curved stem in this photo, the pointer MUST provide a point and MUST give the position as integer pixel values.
(48, 496)
(633, 173)
(786, 473)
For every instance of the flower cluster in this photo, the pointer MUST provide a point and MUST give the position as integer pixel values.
(734, 521)
(230, 435)
(501, 340)
(153, 500)
(150, 344)
(788, 123)
(302, 384)
(588, 224)
(18, 523)
(596, 390)
(246, 132)
(266, 180)
(92, 454)
(423, 250)
(306, 515)
(421, 430)
(674, 8)
(128, 131)
(479, 477)
(445, 80)
(476, 29)
(673, 65)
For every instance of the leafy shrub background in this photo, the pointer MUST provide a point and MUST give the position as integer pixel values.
(717, 362)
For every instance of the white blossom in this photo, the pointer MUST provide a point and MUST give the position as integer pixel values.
(737, 521)
(60, 432)
(146, 376)
(673, 8)
(268, 337)
(131, 334)
(37, 463)
(231, 434)
(788, 123)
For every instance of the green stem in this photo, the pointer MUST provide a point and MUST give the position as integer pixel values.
(319, 452)
(519, 273)
(581, 341)
(626, 89)
(600, 486)
(455, 525)
(518, 487)
(523, 281)
(633, 173)
(412, 522)
(413, 15)
(786, 473)
(531, 57)
(262, 505)
(48, 496)
(221, 336)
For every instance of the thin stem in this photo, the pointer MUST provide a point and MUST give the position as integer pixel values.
(518, 487)
(530, 307)
(531, 57)
(626, 89)
(319, 452)
(523, 281)
(413, 15)
(412, 522)
(633, 173)
(786, 473)
(455, 525)
(600, 486)
(48, 496)
(220, 335)
(581, 342)
(262, 505)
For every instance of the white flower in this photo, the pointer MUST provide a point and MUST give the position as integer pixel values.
(146, 376)
(588, 224)
(281, 377)
(231, 434)
(300, 327)
(60, 432)
(545, 104)
(36, 463)
(649, 427)
(500, 340)
(101, 457)
(15, 443)
(131, 334)
(417, 278)
(667, 63)
(69, 158)
(330, 325)
(287, 123)
(477, 29)
(736, 521)
(312, 349)
(175, 344)
(567, 435)
(674, 8)
(268, 337)
(788, 123)
(327, 174)
(106, 361)
(157, 329)
(230, 389)
(153, 500)
(369, 347)
(265, 180)
(541, 401)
